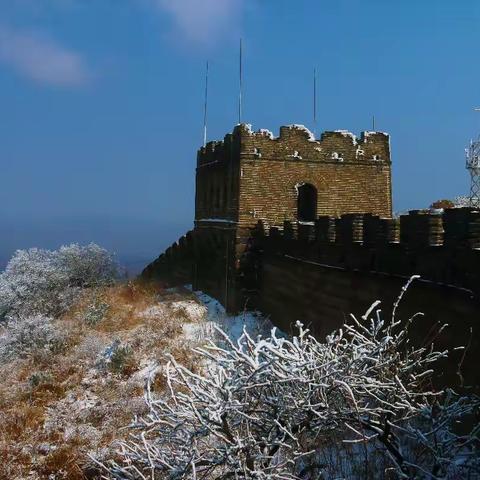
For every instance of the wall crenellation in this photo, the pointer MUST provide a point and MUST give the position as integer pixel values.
(457, 228)
(441, 247)
(444, 248)
(251, 176)
(333, 146)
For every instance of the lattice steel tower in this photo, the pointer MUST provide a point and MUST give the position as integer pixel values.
(473, 166)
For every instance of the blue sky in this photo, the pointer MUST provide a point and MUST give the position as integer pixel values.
(101, 102)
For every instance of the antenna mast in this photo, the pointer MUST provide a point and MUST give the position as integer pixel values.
(240, 85)
(473, 166)
(205, 108)
(314, 101)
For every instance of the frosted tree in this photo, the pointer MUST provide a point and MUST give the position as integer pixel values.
(46, 282)
(279, 408)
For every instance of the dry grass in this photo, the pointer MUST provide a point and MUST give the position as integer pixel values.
(55, 408)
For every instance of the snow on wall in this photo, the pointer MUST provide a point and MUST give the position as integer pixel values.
(348, 134)
(303, 128)
(266, 133)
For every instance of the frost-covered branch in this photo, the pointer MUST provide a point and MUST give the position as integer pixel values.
(272, 409)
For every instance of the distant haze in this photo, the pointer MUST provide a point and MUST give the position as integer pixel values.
(135, 243)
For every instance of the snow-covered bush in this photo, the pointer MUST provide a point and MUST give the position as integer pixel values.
(22, 337)
(95, 312)
(275, 408)
(87, 266)
(46, 282)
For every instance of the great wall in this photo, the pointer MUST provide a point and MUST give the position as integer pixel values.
(302, 229)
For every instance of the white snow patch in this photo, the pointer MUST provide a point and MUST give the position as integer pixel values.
(311, 136)
(193, 310)
(197, 332)
(247, 126)
(347, 134)
(221, 220)
(369, 133)
(295, 155)
(265, 133)
(254, 322)
(154, 311)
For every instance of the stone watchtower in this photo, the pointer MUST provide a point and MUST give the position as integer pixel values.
(253, 176)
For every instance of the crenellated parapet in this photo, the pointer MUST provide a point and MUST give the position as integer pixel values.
(296, 143)
(252, 175)
(216, 151)
(443, 247)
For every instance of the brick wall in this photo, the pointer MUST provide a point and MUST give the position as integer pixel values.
(323, 297)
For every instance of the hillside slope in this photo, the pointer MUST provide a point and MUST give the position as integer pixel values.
(59, 404)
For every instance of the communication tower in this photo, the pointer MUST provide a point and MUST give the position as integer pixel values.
(473, 166)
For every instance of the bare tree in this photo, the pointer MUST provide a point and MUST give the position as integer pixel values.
(269, 409)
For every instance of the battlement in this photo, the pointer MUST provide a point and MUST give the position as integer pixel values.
(443, 247)
(297, 143)
(452, 228)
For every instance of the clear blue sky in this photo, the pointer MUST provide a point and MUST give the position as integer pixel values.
(101, 102)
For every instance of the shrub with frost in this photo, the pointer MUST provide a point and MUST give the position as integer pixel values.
(87, 266)
(25, 336)
(46, 282)
(358, 405)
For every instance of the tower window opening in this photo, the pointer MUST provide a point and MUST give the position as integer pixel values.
(307, 203)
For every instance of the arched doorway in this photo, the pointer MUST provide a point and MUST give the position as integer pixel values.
(307, 203)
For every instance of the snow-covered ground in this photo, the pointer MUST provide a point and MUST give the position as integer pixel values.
(113, 340)
(233, 325)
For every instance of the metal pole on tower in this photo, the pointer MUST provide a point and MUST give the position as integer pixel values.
(314, 101)
(205, 107)
(240, 92)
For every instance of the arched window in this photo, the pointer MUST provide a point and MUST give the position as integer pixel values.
(307, 203)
